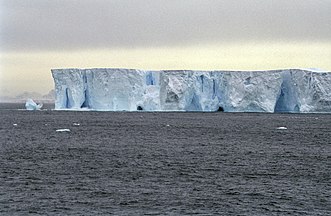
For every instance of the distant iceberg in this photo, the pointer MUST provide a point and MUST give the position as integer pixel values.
(31, 105)
(290, 90)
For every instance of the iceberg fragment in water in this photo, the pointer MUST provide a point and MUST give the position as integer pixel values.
(281, 128)
(31, 105)
(63, 130)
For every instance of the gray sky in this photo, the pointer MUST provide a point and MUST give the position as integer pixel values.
(37, 35)
(85, 24)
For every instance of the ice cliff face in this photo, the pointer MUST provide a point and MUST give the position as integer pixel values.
(293, 90)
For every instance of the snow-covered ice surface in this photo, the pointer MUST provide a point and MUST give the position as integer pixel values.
(290, 90)
(31, 105)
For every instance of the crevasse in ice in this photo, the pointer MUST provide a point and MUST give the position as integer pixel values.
(290, 90)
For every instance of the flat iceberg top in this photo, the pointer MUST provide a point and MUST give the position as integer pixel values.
(192, 70)
(119, 89)
(315, 70)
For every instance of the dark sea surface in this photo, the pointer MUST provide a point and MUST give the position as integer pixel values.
(123, 163)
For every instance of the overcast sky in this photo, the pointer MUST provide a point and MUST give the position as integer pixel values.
(81, 24)
(36, 35)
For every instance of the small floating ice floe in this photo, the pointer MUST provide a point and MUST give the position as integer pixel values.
(63, 130)
(281, 128)
(31, 105)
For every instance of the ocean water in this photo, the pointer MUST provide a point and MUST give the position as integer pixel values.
(122, 163)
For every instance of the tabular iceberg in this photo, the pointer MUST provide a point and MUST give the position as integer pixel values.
(291, 90)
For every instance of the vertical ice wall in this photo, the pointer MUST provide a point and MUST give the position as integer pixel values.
(287, 100)
(236, 91)
(304, 91)
(69, 87)
(188, 91)
(229, 91)
(106, 89)
(250, 91)
(313, 90)
(114, 89)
